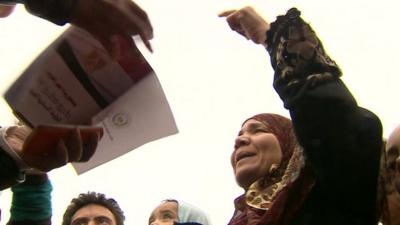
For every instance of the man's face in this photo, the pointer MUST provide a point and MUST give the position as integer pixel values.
(393, 158)
(93, 214)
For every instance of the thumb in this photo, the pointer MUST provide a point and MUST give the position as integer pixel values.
(73, 147)
(89, 147)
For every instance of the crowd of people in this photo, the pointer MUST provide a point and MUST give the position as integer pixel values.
(327, 164)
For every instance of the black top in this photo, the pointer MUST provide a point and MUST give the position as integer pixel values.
(9, 172)
(341, 140)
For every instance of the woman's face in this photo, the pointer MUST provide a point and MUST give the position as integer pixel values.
(164, 214)
(256, 149)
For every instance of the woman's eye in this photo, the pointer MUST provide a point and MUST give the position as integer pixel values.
(167, 216)
(260, 130)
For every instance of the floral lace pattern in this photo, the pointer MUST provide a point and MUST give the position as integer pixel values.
(297, 56)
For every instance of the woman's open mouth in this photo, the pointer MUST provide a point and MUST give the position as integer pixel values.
(243, 155)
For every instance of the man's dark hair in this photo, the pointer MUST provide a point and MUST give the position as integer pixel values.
(85, 199)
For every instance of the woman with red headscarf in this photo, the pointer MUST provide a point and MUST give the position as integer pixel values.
(320, 167)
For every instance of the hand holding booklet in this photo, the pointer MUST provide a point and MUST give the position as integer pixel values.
(74, 81)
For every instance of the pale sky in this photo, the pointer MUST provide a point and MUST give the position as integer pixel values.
(213, 80)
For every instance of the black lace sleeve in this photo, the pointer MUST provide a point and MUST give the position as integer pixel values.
(297, 56)
(341, 140)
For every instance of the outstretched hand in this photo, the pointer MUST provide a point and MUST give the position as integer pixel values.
(74, 147)
(105, 19)
(248, 23)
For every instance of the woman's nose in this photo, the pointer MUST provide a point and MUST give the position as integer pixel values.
(241, 141)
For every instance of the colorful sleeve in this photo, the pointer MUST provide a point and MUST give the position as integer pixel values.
(31, 201)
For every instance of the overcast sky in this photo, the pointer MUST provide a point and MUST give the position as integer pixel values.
(213, 80)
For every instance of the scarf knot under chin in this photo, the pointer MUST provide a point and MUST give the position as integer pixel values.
(262, 193)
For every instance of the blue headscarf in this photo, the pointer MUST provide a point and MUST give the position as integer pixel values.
(191, 214)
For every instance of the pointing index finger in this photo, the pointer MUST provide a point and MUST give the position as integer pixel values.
(227, 13)
(147, 43)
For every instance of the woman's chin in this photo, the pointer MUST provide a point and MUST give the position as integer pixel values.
(245, 177)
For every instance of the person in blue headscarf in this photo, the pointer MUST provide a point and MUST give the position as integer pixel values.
(172, 211)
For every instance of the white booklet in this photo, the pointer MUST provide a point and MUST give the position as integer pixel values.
(75, 81)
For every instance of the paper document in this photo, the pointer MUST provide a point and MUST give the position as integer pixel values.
(75, 81)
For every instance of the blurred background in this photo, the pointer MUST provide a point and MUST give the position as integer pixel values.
(213, 79)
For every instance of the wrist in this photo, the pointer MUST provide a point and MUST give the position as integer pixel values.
(35, 177)
(264, 36)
